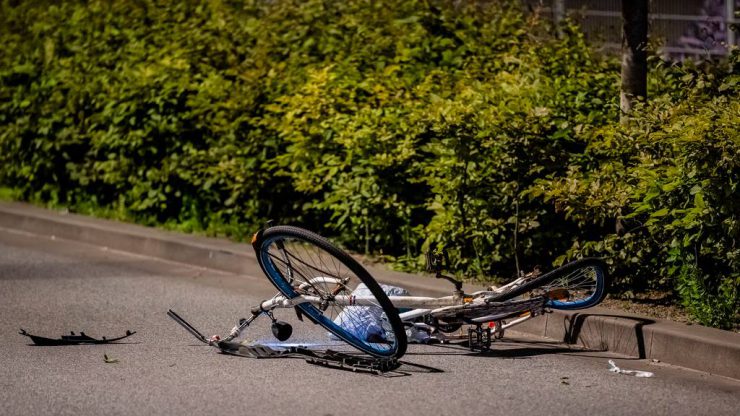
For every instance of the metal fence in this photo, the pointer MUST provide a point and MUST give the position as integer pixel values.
(682, 28)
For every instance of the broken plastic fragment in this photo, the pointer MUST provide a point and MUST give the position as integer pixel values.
(109, 360)
(72, 339)
(614, 369)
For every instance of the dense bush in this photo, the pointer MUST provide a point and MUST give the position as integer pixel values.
(669, 182)
(390, 126)
(148, 109)
(433, 138)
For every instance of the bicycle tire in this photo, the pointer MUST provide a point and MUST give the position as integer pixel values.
(290, 256)
(594, 283)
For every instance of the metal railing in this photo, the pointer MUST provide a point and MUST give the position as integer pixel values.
(683, 28)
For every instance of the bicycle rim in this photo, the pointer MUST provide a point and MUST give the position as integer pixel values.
(577, 285)
(299, 262)
(577, 288)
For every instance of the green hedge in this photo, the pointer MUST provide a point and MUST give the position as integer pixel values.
(669, 182)
(390, 126)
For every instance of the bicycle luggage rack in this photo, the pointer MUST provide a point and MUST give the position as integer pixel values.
(328, 358)
(342, 361)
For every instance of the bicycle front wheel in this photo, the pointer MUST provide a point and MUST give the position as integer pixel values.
(577, 285)
(299, 262)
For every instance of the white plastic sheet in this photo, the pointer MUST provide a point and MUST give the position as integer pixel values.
(614, 369)
(367, 323)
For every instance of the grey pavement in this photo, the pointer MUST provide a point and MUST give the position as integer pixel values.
(690, 346)
(50, 286)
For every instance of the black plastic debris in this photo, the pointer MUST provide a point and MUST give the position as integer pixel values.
(73, 339)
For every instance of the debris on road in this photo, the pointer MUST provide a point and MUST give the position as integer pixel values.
(109, 360)
(72, 339)
(614, 369)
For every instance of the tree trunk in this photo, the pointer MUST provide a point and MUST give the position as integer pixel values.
(634, 54)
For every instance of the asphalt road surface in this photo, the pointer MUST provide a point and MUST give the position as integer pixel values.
(50, 287)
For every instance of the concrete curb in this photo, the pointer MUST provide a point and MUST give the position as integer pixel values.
(199, 251)
(692, 346)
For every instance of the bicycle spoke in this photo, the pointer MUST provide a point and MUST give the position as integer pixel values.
(302, 263)
(579, 283)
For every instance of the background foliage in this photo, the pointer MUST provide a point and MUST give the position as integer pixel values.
(390, 126)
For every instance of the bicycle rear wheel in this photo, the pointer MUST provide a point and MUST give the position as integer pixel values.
(299, 262)
(577, 285)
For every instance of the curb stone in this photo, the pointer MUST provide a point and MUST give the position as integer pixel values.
(691, 346)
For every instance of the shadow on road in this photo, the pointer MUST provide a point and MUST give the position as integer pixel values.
(505, 349)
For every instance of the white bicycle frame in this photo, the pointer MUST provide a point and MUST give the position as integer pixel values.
(422, 306)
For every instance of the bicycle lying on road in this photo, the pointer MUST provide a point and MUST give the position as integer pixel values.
(330, 288)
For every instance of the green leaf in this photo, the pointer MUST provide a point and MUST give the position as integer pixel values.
(660, 213)
(699, 200)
